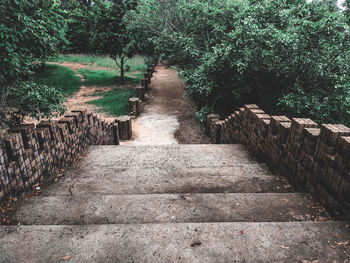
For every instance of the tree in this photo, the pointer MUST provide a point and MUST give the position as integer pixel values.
(80, 17)
(290, 57)
(111, 36)
(29, 34)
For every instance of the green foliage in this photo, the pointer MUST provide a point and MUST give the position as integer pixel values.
(115, 102)
(33, 100)
(137, 63)
(202, 114)
(80, 17)
(111, 36)
(29, 34)
(61, 78)
(99, 27)
(288, 56)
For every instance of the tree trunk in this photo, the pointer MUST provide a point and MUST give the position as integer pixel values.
(122, 78)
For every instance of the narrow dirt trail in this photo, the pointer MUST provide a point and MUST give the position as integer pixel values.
(168, 117)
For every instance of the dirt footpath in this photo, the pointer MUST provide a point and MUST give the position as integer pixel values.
(168, 117)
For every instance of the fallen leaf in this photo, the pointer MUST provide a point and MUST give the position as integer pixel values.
(322, 218)
(66, 258)
(336, 236)
(343, 243)
(299, 217)
(333, 247)
(240, 233)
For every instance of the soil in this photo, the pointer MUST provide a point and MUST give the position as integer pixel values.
(168, 117)
(76, 66)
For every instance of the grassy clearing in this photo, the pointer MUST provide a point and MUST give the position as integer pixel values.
(115, 102)
(62, 78)
(107, 78)
(137, 63)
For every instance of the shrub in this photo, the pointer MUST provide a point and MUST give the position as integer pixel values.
(288, 56)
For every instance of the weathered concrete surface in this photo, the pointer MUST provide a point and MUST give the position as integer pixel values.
(154, 129)
(160, 181)
(171, 186)
(205, 242)
(165, 208)
(171, 156)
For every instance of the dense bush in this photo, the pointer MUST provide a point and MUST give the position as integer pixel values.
(287, 56)
(29, 34)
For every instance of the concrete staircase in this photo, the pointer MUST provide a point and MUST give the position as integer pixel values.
(181, 203)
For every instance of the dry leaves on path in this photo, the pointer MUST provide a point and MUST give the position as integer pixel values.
(67, 257)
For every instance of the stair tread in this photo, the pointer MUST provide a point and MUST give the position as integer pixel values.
(154, 180)
(185, 242)
(171, 156)
(164, 208)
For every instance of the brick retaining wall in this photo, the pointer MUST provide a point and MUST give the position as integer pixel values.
(29, 153)
(314, 158)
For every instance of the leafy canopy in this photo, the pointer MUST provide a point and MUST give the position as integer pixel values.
(289, 56)
(29, 34)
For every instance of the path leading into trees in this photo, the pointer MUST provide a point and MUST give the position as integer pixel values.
(171, 203)
(168, 117)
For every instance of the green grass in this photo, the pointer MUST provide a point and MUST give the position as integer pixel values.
(136, 63)
(107, 78)
(62, 78)
(115, 102)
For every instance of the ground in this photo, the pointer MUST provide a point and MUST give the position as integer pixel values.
(167, 118)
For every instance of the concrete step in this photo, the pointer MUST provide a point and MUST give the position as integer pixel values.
(185, 242)
(167, 208)
(112, 181)
(169, 156)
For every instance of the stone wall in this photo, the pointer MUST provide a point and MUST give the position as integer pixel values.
(29, 153)
(314, 158)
